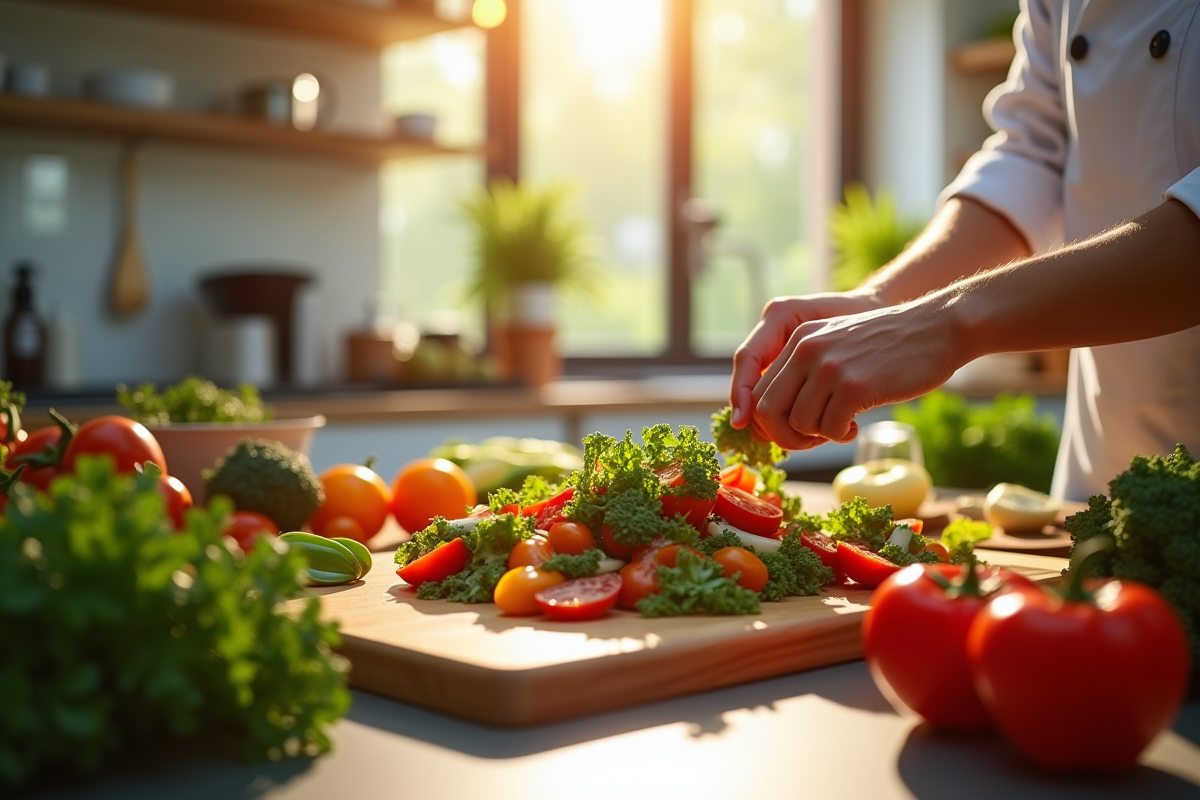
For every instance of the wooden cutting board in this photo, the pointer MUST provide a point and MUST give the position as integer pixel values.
(474, 662)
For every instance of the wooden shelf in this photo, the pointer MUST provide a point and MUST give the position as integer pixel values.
(95, 118)
(986, 57)
(344, 21)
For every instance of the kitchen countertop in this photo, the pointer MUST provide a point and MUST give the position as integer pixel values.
(826, 732)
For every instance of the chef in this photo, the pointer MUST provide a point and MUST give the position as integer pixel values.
(1097, 144)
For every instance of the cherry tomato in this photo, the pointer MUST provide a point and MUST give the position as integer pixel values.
(355, 491)
(613, 547)
(430, 487)
(42, 442)
(746, 512)
(246, 526)
(438, 564)
(128, 443)
(343, 528)
(638, 579)
(667, 556)
(915, 642)
(753, 571)
(572, 538)
(693, 509)
(516, 593)
(739, 476)
(533, 552)
(939, 550)
(582, 598)
(177, 498)
(863, 565)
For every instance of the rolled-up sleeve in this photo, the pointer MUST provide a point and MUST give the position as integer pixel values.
(1018, 172)
(1187, 191)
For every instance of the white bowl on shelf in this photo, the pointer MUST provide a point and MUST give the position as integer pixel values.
(415, 127)
(140, 88)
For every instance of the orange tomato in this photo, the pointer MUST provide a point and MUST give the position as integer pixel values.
(739, 475)
(754, 575)
(532, 552)
(571, 538)
(668, 555)
(246, 526)
(939, 550)
(638, 580)
(353, 491)
(517, 587)
(430, 487)
(344, 528)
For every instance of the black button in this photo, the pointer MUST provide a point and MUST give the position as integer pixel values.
(1079, 48)
(1160, 44)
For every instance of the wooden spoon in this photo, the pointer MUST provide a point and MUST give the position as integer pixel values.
(130, 288)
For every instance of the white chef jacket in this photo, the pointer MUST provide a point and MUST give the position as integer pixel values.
(1087, 136)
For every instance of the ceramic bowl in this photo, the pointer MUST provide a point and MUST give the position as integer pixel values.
(417, 127)
(192, 447)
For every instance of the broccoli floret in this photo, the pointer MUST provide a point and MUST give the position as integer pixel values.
(743, 445)
(713, 543)
(696, 585)
(270, 478)
(582, 565)
(1153, 515)
(794, 570)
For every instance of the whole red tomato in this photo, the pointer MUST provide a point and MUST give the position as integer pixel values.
(638, 579)
(39, 453)
(1084, 678)
(127, 442)
(915, 639)
(246, 526)
(177, 498)
(693, 509)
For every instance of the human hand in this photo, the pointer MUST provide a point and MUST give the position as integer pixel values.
(831, 370)
(779, 319)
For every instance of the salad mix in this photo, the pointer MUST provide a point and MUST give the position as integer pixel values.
(658, 526)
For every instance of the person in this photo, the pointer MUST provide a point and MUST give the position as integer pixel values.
(1097, 143)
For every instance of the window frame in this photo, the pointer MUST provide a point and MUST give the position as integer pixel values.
(503, 131)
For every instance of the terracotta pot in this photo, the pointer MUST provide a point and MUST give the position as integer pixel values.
(532, 355)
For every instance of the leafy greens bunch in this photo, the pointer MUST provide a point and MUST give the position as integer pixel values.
(192, 400)
(117, 632)
(792, 571)
(742, 445)
(490, 541)
(619, 486)
(1153, 514)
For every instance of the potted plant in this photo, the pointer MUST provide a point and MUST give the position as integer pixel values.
(529, 245)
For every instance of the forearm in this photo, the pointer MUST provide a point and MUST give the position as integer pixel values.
(1135, 281)
(964, 238)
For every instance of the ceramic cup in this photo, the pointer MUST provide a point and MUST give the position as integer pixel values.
(29, 78)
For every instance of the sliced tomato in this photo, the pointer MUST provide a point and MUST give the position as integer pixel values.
(739, 476)
(746, 512)
(549, 511)
(824, 546)
(693, 509)
(582, 598)
(863, 565)
(437, 565)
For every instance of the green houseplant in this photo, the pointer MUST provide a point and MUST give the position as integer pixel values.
(529, 245)
(867, 233)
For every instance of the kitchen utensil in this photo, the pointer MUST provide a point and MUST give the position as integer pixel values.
(130, 287)
(236, 293)
(417, 127)
(191, 447)
(888, 439)
(299, 102)
(29, 78)
(141, 88)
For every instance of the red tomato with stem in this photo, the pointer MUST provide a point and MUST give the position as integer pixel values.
(693, 509)
(863, 565)
(746, 512)
(572, 538)
(438, 564)
(127, 442)
(915, 639)
(246, 526)
(177, 499)
(582, 598)
(750, 570)
(1084, 678)
(638, 579)
(40, 454)
(739, 476)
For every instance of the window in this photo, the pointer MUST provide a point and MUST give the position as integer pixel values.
(633, 102)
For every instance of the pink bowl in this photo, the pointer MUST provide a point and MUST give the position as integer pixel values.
(192, 447)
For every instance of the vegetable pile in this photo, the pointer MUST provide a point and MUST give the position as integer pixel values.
(117, 631)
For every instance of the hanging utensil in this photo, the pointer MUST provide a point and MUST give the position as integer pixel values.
(130, 287)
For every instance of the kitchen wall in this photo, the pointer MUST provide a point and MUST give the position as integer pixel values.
(199, 208)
